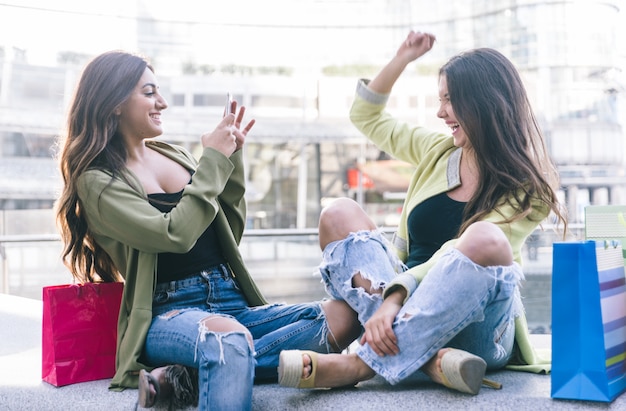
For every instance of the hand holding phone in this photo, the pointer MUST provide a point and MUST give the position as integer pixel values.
(228, 109)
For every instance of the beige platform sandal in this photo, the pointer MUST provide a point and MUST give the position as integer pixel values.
(464, 372)
(290, 369)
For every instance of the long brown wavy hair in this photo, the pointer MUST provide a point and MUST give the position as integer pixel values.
(491, 105)
(91, 140)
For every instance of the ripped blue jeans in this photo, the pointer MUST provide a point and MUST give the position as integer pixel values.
(458, 304)
(227, 366)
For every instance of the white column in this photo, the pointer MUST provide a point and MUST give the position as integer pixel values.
(600, 196)
(7, 73)
(302, 187)
(572, 203)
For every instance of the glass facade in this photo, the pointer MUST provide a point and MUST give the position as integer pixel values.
(564, 50)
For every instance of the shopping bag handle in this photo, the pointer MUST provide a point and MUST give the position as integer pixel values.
(611, 244)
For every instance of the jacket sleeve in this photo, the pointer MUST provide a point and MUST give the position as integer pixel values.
(232, 199)
(118, 211)
(401, 140)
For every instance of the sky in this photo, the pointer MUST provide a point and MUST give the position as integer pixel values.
(33, 26)
(231, 30)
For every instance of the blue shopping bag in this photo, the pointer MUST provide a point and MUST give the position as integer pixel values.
(588, 321)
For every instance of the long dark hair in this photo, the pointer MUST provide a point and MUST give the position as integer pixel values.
(91, 140)
(491, 105)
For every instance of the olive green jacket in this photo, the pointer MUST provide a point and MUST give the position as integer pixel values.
(437, 162)
(133, 233)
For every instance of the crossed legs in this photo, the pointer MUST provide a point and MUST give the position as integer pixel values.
(483, 243)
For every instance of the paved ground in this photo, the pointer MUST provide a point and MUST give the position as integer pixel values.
(21, 387)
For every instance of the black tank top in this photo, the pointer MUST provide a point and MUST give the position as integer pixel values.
(204, 254)
(430, 224)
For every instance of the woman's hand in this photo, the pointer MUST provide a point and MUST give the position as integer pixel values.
(228, 136)
(416, 45)
(240, 133)
(379, 328)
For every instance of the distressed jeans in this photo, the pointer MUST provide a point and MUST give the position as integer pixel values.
(226, 364)
(458, 304)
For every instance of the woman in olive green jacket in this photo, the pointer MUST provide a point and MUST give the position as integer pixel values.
(192, 322)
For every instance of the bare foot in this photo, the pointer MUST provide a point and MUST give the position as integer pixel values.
(307, 366)
(433, 367)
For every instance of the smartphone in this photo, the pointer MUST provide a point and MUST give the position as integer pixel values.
(228, 106)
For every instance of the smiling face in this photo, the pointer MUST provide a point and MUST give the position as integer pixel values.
(140, 114)
(446, 113)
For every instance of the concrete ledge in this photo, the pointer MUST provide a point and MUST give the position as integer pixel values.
(21, 387)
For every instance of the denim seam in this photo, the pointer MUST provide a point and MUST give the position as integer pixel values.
(270, 319)
(310, 324)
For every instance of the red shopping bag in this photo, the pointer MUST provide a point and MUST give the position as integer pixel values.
(79, 332)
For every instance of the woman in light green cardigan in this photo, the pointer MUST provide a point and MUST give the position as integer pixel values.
(444, 297)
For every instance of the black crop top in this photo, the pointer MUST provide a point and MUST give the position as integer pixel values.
(204, 254)
(430, 224)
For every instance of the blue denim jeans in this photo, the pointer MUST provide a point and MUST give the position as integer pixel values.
(458, 304)
(226, 364)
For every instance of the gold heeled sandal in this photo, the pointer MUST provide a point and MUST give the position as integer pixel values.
(145, 397)
(290, 368)
(465, 372)
(175, 383)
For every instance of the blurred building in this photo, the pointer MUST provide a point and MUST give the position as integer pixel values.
(303, 149)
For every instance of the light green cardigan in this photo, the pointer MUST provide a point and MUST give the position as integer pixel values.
(436, 162)
(133, 232)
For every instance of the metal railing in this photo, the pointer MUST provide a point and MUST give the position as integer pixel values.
(283, 263)
(251, 241)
